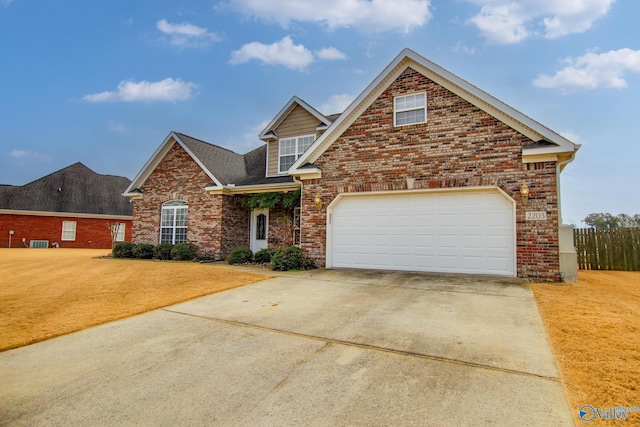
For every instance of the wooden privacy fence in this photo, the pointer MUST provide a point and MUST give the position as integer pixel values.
(608, 249)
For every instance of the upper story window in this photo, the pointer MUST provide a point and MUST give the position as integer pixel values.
(290, 149)
(410, 109)
(173, 222)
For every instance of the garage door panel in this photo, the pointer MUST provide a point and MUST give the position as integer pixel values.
(470, 232)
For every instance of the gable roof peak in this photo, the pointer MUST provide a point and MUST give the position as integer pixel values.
(269, 131)
(460, 87)
(222, 165)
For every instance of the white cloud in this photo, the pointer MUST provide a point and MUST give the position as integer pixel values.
(186, 35)
(19, 153)
(364, 15)
(283, 52)
(593, 70)
(330, 53)
(511, 21)
(5, 2)
(130, 91)
(502, 23)
(337, 103)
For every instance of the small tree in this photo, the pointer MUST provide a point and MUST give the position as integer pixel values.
(114, 228)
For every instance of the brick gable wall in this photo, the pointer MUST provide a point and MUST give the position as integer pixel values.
(216, 223)
(459, 146)
(178, 177)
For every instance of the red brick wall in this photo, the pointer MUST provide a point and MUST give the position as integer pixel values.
(178, 177)
(280, 227)
(236, 220)
(459, 146)
(216, 223)
(91, 233)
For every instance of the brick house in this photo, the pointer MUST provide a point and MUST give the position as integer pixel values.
(422, 172)
(70, 208)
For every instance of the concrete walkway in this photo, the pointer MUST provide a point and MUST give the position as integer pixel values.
(318, 348)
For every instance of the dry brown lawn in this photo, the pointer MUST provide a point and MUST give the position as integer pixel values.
(594, 329)
(593, 326)
(45, 293)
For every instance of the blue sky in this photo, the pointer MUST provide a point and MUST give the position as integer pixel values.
(104, 82)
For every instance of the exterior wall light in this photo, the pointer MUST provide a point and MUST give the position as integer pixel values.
(318, 201)
(524, 193)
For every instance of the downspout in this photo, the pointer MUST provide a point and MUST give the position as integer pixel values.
(559, 167)
(567, 255)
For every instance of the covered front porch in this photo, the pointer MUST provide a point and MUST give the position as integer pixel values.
(259, 217)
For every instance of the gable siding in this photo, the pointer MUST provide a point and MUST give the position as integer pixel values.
(298, 122)
(178, 177)
(459, 146)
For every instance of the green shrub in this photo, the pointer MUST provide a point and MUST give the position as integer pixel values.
(290, 258)
(184, 252)
(123, 250)
(263, 255)
(240, 255)
(162, 251)
(143, 251)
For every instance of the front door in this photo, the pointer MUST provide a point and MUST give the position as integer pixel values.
(259, 229)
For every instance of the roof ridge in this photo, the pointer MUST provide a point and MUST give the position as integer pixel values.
(208, 143)
(57, 172)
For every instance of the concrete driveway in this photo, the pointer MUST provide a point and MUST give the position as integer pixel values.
(326, 347)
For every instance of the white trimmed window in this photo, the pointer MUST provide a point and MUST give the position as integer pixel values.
(119, 229)
(173, 222)
(410, 109)
(292, 148)
(68, 231)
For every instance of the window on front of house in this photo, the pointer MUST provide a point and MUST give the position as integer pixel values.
(68, 231)
(292, 148)
(173, 222)
(410, 109)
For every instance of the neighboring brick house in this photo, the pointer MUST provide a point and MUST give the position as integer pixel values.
(422, 172)
(71, 208)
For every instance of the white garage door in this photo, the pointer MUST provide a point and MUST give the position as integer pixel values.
(455, 231)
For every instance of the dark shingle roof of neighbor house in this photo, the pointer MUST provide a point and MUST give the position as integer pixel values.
(74, 189)
(230, 167)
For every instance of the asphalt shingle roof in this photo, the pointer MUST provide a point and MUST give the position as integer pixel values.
(226, 166)
(74, 189)
(230, 167)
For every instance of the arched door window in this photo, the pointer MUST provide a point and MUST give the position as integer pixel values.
(173, 222)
